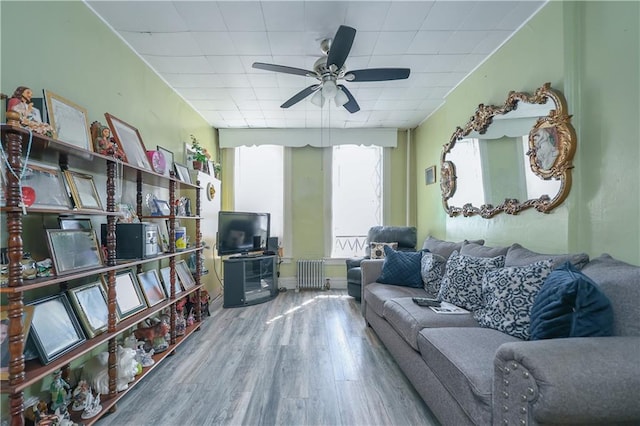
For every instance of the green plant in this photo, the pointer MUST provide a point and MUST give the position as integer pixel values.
(198, 150)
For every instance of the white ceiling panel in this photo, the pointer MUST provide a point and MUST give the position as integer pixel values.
(205, 50)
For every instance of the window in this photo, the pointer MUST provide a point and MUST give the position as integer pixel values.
(356, 197)
(259, 183)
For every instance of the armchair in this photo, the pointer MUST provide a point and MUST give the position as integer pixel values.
(405, 236)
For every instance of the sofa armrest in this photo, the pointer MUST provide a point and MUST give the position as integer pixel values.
(354, 262)
(371, 270)
(576, 380)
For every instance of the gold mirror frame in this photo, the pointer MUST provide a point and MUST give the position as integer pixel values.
(557, 122)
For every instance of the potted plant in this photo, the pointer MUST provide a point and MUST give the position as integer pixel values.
(199, 154)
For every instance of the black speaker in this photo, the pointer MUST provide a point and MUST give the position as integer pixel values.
(272, 244)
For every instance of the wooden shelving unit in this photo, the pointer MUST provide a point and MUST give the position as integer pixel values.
(25, 374)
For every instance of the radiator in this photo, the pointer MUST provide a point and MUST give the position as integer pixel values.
(310, 275)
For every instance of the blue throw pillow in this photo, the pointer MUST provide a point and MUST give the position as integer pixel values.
(570, 304)
(401, 268)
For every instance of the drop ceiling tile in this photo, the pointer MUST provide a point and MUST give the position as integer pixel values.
(284, 16)
(262, 80)
(249, 105)
(268, 94)
(364, 43)
(248, 60)
(213, 105)
(428, 42)
(367, 15)
(179, 64)
(325, 16)
(235, 123)
(159, 44)
(242, 15)
(200, 93)
(250, 42)
(201, 15)
(445, 63)
(462, 42)
(214, 43)
(286, 43)
(403, 16)
(242, 93)
(154, 16)
(446, 15)
(192, 80)
(492, 41)
(394, 43)
(225, 64)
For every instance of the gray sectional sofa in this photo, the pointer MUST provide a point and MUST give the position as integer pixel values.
(469, 374)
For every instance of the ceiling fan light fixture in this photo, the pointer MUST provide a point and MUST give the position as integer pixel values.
(317, 99)
(329, 89)
(341, 98)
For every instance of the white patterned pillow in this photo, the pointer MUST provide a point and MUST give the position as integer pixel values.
(377, 249)
(432, 269)
(508, 295)
(462, 281)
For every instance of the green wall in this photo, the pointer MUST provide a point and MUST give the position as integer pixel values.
(590, 52)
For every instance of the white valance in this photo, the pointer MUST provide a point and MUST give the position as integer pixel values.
(320, 138)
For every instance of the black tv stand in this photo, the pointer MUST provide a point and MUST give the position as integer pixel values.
(249, 279)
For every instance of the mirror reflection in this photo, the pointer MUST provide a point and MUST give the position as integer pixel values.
(510, 158)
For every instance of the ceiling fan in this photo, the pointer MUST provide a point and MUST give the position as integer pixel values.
(330, 68)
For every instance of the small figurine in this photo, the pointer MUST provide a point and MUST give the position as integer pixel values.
(92, 406)
(79, 395)
(154, 336)
(103, 142)
(30, 117)
(144, 358)
(59, 391)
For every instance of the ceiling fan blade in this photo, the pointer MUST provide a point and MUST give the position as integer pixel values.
(351, 106)
(300, 95)
(282, 68)
(378, 74)
(341, 46)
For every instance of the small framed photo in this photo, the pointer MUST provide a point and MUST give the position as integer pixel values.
(90, 304)
(162, 206)
(69, 121)
(165, 273)
(187, 280)
(55, 330)
(182, 172)
(151, 287)
(74, 250)
(130, 141)
(83, 190)
(168, 158)
(129, 297)
(430, 175)
(27, 317)
(74, 223)
(46, 185)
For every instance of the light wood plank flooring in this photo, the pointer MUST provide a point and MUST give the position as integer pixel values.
(303, 358)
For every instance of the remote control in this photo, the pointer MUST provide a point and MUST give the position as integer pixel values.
(425, 301)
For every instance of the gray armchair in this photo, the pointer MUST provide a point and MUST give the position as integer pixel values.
(405, 236)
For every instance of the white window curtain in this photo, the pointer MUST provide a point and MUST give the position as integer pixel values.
(259, 183)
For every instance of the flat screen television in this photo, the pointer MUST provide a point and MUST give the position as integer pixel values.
(242, 232)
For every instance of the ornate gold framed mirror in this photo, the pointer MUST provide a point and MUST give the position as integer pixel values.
(510, 158)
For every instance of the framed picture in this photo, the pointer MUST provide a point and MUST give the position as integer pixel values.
(129, 297)
(69, 121)
(430, 175)
(83, 190)
(46, 186)
(163, 235)
(55, 330)
(151, 287)
(74, 250)
(182, 270)
(165, 273)
(27, 316)
(162, 206)
(182, 172)
(168, 158)
(74, 223)
(90, 304)
(130, 141)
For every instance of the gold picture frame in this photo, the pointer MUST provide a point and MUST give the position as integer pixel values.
(130, 142)
(90, 304)
(69, 121)
(83, 190)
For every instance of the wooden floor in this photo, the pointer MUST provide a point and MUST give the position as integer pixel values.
(303, 358)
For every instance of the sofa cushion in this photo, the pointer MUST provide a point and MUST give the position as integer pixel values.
(445, 248)
(407, 318)
(570, 304)
(401, 268)
(508, 295)
(480, 250)
(462, 281)
(432, 267)
(377, 249)
(376, 294)
(406, 236)
(620, 282)
(520, 256)
(462, 359)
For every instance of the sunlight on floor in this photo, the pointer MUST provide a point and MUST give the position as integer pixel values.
(308, 302)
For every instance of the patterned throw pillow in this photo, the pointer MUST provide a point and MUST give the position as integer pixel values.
(508, 295)
(462, 281)
(401, 268)
(377, 249)
(432, 269)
